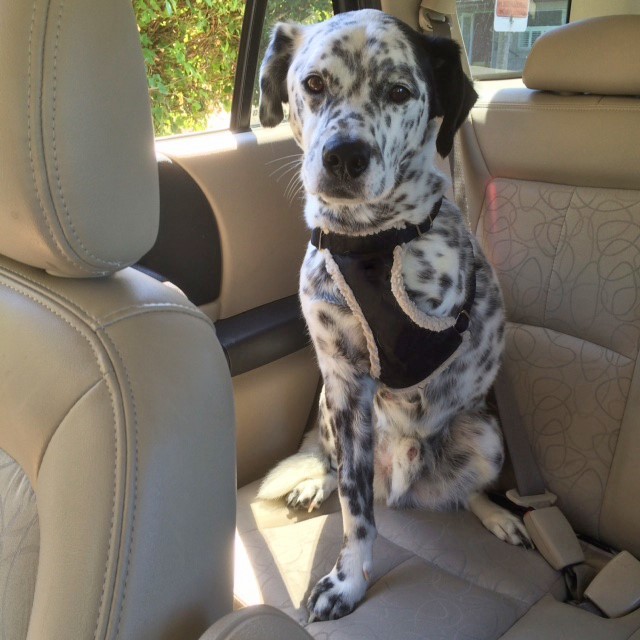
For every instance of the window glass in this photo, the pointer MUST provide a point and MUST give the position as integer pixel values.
(303, 11)
(492, 52)
(190, 49)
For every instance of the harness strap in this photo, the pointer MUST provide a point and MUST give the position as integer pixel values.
(340, 244)
(404, 350)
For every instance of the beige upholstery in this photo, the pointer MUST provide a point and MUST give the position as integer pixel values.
(532, 135)
(74, 114)
(256, 623)
(554, 196)
(552, 619)
(430, 569)
(19, 545)
(564, 237)
(599, 56)
(567, 258)
(116, 432)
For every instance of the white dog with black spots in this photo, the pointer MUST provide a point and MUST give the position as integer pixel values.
(370, 103)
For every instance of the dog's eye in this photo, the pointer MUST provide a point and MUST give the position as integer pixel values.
(314, 84)
(399, 94)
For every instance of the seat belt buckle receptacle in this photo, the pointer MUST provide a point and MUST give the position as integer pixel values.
(616, 589)
(554, 537)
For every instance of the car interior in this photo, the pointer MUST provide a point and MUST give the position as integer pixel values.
(154, 364)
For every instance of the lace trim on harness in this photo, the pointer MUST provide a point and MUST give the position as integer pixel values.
(418, 316)
(345, 290)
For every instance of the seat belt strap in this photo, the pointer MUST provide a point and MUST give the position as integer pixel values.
(531, 490)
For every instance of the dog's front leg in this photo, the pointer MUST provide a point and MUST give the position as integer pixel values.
(349, 403)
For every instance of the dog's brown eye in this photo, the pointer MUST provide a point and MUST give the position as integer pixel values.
(399, 94)
(314, 84)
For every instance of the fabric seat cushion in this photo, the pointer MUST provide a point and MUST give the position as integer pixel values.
(436, 575)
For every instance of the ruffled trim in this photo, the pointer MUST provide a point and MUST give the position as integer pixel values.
(345, 290)
(418, 316)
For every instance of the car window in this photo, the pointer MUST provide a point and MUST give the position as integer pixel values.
(496, 36)
(191, 51)
(305, 12)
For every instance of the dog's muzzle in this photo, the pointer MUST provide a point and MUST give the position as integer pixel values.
(346, 159)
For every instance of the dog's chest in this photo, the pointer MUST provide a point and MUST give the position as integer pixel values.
(431, 268)
(362, 306)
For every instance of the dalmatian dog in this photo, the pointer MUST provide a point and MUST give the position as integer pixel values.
(400, 420)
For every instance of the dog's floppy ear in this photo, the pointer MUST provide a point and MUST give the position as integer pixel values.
(273, 73)
(453, 94)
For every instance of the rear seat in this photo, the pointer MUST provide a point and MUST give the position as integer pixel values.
(553, 187)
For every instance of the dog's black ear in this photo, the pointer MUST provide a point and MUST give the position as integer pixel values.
(273, 73)
(453, 94)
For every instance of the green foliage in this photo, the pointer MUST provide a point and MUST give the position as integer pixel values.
(191, 47)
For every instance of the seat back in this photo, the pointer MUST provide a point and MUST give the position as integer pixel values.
(553, 185)
(117, 452)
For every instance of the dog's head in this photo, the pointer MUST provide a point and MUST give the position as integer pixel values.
(363, 89)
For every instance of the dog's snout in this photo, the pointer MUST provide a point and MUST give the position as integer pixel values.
(346, 158)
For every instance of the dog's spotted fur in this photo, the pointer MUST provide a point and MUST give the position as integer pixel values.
(434, 445)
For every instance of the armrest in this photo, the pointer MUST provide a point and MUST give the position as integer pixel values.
(256, 623)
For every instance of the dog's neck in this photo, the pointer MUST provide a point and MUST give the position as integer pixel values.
(408, 203)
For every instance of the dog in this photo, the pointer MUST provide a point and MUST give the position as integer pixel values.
(404, 311)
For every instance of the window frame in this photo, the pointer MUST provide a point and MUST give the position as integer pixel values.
(247, 66)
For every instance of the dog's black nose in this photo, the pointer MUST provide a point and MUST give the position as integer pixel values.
(346, 158)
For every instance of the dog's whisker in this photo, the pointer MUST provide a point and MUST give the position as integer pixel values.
(280, 172)
(294, 188)
(293, 155)
(286, 168)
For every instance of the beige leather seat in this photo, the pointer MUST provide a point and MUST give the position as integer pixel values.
(553, 183)
(117, 483)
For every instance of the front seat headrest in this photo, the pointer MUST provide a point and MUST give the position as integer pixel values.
(78, 175)
(599, 55)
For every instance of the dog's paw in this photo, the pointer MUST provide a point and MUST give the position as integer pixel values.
(336, 595)
(508, 528)
(310, 494)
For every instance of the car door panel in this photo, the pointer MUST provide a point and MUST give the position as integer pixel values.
(261, 239)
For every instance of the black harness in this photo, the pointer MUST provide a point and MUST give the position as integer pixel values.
(408, 353)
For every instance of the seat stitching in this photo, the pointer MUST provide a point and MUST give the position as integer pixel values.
(481, 211)
(56, 165)
(449, 572)
(91, 387)
(56, 245)
(515, 106)
(614, 453)
(452, 573)
(138, 310)
(75, 307)
(569, 335)
(196, 313)
(135, 479)
(555, 255)
(113, 411)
